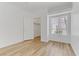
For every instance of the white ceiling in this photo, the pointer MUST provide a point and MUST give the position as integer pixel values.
(36, 6)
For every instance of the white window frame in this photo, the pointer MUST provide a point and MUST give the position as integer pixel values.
(66, 12)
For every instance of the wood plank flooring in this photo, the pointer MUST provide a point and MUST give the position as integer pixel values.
(59, 49)
(36, 48)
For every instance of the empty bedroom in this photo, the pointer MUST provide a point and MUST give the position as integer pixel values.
(39, 28)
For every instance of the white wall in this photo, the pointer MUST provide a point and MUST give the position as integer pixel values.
(28, 27)
(75, 28)
(11, 24)
(44, 32)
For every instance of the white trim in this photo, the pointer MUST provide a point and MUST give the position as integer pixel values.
(44, 40)
(12, 43)
(60, 13)
(74, 49)
(47, 28)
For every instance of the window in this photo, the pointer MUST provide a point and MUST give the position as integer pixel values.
(58, 24)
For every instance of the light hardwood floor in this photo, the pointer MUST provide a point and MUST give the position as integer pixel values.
(59, 49)
(36, 48)
(25, 48)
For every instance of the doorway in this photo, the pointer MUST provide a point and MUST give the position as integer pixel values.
(37, 27)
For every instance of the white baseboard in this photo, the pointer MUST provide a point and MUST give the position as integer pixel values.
(44, 41)
(8, 44)
(75, 51)
(75, 44)
(59, 41)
